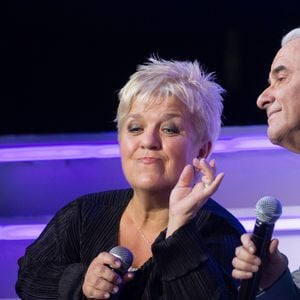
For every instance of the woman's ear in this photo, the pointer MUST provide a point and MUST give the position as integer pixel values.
(205, 150)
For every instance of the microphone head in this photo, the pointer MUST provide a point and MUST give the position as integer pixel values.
(268, 209)
(124, 255)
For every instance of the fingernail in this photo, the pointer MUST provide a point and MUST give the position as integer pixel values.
(106, 295)
(118, 263)
(254, 268)
(115, 289)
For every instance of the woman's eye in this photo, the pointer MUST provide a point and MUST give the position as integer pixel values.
(134, 128)
(170, 130)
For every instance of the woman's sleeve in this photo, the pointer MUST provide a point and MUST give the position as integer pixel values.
(51, 267)
(189, 268)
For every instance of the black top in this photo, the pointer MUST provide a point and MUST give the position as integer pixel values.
(193, 263)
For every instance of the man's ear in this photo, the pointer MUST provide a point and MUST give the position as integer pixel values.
(205, 150)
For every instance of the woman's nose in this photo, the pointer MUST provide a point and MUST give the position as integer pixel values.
(265, 98)
(150, 140)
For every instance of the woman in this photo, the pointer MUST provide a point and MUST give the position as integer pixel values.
(168, 119)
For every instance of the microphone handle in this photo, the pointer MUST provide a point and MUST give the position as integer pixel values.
(261, 237)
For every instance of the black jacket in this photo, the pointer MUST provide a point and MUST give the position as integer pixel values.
(193, 263)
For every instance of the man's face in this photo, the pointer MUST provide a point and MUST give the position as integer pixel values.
(281, 99)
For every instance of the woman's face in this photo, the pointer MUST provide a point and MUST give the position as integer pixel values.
(156, 142)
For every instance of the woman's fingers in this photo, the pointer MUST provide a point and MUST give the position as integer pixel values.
(209, 181)
(100, 280)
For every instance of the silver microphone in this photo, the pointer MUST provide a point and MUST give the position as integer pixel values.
(268, 210)
(125, 256)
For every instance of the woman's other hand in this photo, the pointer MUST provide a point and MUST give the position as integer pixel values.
(188, 196)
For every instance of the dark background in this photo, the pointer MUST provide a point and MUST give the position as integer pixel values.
(63, 62)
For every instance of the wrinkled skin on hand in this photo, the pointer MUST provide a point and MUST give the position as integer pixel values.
(191, 193)
(246, 263)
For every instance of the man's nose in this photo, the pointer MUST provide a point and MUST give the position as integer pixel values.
(265, 98)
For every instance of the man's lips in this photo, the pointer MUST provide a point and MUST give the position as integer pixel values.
(272, 113)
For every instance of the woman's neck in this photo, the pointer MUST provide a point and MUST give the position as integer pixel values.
(143, 222)
(151, 217)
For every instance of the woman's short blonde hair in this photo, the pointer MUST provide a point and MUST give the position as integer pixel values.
(158, 79)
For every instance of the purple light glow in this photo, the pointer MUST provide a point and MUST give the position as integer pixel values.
(58, 152)
(14, 154)
(21, 232)
(253, 143)
(32, 231)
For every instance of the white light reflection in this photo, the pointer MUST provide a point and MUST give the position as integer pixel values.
(284, 224)
(58, 152)
(21, 232)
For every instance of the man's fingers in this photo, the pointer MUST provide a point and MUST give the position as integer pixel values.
(273, 246)
(248, 243)
(237, 274)
(244, 265)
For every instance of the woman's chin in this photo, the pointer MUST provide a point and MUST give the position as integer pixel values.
(152, 185)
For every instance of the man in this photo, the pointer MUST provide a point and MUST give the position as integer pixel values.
(281, 100)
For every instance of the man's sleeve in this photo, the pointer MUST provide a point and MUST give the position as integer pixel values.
(283, 288)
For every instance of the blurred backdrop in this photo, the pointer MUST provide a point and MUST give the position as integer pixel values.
(63, 62)
(61, 66)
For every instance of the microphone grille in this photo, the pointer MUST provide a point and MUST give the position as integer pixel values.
(125, 256)
(268, 209)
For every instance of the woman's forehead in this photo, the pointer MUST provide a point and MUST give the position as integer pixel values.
(166, 103)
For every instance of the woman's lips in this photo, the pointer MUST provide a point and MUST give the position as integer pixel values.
(148, 160)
